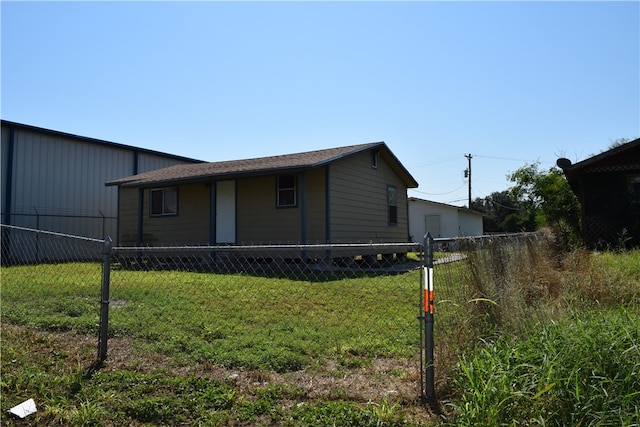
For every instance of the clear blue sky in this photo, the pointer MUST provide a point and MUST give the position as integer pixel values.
(508, 82)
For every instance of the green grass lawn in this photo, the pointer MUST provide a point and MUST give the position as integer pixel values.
(240, 326)
(234, 320)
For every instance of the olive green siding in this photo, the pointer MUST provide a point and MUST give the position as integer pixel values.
(359, 210)
(316, 205)
(128, 216)
(259, 221)
(189, 227)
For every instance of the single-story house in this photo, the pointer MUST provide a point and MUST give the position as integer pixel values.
(608, 188)
(441, 220)
(353, 194)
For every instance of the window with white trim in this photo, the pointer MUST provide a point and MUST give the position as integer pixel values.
(286, 196)
(164, 201)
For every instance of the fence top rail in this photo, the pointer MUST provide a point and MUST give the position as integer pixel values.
(61, 215)
(276, 247)
(51, 233)
(485, 236)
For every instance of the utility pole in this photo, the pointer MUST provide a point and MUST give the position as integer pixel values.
(468, 175)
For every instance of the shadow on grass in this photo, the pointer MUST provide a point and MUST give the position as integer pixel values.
(312, 270)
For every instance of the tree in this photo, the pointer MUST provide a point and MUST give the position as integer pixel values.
(501, 213)
(547, 199)
(617, 142)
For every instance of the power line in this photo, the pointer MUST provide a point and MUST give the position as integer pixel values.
(457, 200)
(512, 159)
(439, 194)
(503, 206)
(433, 162)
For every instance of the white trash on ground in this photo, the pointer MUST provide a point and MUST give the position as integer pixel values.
(27, 407)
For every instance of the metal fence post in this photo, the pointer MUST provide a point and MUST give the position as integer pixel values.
(104, 300)
(37, 235)
(428, 387)
(104, 221)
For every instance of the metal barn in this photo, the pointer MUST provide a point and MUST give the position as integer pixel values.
(441, 220)
(55, 181)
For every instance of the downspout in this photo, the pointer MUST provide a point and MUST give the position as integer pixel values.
(118, 218)
(212, 213)
(303, 208)
(235, 211)
(327, 212)
(327, 206)
(140, 215)
(9, 179)
(406, 201)
(136, 160)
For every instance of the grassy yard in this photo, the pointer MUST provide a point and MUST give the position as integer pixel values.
(265, 350)
(190, 348)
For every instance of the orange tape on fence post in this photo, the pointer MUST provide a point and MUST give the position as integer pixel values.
(428, 290)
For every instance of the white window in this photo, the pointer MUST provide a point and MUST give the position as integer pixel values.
(164, 201)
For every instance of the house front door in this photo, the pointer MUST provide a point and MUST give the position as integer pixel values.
(226, 212)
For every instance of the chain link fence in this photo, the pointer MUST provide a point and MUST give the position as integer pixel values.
(327, 318)
(94, 224)
(50, 293)
(339, 321)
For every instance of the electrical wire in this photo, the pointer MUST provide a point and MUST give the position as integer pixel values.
(458, 200)
(434, 162)
(503, 206)
(439, 194)
(510, 159)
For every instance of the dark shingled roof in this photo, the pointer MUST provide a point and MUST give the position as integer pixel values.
(624, 157)
(257, 166)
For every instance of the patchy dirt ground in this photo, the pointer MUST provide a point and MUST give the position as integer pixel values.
(390, 380)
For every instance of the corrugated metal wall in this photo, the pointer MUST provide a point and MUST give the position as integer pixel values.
(56, 182)
(4, 166)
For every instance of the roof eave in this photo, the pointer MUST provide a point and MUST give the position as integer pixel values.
(594, 159)
(209, 178)
(398, 168)
(80, 138)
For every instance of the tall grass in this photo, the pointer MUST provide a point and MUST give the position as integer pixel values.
(580, 371)
(549, 341)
